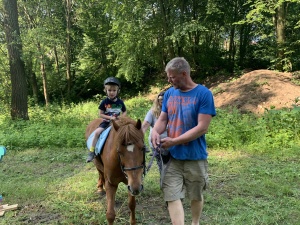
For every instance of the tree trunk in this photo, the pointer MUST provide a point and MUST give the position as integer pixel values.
(32, 79)
(244, 43)
(68, 5)
(19, 101)
(56, 61)
(44, 76)
(232, 48)
(280, 35)
(35, 90)
(58, 80)
(165, 10)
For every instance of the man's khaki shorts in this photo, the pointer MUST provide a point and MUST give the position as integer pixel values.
(185, 177)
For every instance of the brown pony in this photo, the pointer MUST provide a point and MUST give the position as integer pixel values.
(122, 160)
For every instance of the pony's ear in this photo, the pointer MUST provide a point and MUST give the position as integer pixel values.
(115, 125)
(138, 124)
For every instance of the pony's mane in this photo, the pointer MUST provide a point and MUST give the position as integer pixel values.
(127, 132)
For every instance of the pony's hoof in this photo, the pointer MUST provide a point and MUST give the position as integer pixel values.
(101, 193)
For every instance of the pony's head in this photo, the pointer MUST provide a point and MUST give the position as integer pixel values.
(130, 146)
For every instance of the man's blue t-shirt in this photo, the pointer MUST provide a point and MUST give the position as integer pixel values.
(182, 109)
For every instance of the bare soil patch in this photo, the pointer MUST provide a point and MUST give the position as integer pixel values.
(257, 91)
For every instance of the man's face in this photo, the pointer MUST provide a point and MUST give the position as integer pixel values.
(175, 79)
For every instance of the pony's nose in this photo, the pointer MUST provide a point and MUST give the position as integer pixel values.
(135, 192)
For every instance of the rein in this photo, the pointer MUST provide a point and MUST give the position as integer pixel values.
(157, 151)
(164, 156)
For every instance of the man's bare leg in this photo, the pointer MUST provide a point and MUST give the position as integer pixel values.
(196, 207)
(176, 212)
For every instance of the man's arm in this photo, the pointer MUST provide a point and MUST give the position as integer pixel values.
(192, 134)
(159, 128)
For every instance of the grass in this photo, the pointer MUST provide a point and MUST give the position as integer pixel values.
(254, 165)
(56, 186)
(253, 189)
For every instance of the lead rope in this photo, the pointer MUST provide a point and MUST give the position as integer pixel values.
(155, 153)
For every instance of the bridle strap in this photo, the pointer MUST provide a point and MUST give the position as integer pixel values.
(135, 167)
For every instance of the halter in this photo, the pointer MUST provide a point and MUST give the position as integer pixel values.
(124, 169)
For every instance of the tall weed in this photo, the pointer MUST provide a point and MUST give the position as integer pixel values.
(276, 130)
(64, 126)
(58, 125)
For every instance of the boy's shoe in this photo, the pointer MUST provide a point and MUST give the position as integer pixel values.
(90, 157)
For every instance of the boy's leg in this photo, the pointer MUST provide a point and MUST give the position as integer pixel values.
(91, 154)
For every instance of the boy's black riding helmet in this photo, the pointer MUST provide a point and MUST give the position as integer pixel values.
(112, 80)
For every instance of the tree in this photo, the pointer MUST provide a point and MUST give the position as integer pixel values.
(68, 10)
(271, 20)
(279, 20)
(19, 102)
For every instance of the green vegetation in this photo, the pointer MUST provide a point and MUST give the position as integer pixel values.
(70, 47)
(64, 126)
(254, 169)
(275, 131)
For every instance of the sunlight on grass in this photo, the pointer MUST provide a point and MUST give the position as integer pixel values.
(77, 195)
(253, 168)
(242, 183)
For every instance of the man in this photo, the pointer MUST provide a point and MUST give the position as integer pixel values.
(187, 110)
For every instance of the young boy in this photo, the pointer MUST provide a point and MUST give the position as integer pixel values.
(109, 109)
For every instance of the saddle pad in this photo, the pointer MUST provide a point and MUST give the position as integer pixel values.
(100, 142)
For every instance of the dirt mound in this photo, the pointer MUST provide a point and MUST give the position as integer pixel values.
(258, 90)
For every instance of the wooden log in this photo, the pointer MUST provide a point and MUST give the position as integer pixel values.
(4, 208)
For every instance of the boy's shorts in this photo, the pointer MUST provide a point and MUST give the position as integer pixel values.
(185, 177)
(104, 124)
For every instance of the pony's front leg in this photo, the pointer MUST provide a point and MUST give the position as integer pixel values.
(131, 205)
(110, 202)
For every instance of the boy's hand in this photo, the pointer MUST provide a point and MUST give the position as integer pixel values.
(114, 117)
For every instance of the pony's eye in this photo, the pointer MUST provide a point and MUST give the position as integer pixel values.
(120, 153)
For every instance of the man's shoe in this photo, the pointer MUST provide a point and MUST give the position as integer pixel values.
(90, 157)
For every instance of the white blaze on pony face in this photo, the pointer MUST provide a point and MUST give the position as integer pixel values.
(130, 148)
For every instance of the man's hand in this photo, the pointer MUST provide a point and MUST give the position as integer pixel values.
(155, 138)
(167, 142)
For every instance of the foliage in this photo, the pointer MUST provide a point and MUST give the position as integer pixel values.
(57, 125)
(276, 130)
(138, 107)
(264, 17)
(64, 125)
(69, 52)
(5, 83)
